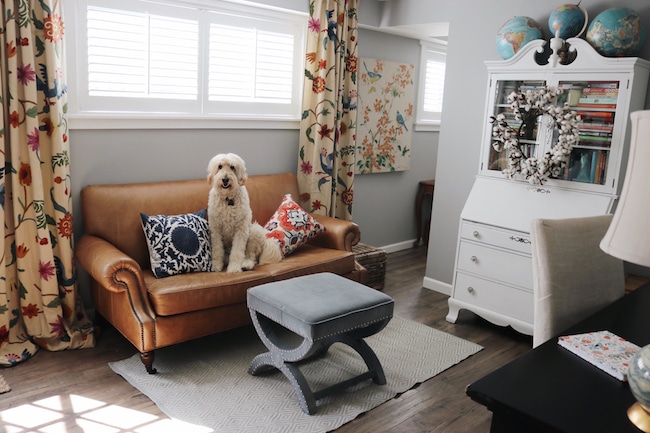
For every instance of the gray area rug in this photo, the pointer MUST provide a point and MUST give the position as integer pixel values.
(204, 384)
(4, 386)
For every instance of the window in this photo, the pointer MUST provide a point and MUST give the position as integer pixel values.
(432, 83)
(193, 58)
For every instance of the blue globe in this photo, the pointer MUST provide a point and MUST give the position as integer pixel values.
(568, 21)
(617, 32)
(515, 33)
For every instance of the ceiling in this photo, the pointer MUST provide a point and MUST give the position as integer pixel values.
(433, 32)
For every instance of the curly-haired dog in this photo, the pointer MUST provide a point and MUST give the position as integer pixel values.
(237, 242)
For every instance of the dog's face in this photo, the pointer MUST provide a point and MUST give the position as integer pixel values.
(227, 173)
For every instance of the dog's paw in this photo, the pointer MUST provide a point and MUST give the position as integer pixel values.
(233, 269)
(217, 267)
(248, 265)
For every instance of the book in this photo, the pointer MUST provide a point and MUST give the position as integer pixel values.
(603, 84)
(594, 105)
(596, 114)
(592, 91)
(598, 100)
(605, 350)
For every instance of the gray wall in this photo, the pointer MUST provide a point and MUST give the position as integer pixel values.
(384, 203)
(472, 28)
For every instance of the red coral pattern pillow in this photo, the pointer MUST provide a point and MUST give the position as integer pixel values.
(291, 226)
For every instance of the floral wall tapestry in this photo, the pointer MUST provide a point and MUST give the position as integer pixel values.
(40, 306)
(385, 123)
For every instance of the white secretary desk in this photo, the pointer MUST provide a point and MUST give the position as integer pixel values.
(493, 271)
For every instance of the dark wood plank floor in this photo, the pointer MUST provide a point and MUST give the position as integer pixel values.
(54, 380)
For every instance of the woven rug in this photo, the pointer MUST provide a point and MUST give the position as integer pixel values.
(4, 386)
(204, 383)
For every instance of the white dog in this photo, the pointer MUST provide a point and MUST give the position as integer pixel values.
(237, 242)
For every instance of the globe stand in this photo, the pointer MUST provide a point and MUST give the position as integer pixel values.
(639, 417)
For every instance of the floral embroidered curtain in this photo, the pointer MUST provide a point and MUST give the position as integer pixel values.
(328, 126)
(39, 301)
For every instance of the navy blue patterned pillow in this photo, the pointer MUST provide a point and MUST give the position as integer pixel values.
(178, 243)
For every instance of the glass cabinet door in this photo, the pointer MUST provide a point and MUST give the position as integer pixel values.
(595, 102)
(528, 131)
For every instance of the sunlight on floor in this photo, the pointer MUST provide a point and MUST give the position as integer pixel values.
(93, 416)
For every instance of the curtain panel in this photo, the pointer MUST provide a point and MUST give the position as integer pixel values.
(39, 301)
(328, 127)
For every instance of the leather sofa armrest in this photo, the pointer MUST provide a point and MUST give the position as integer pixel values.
(104, 262)
(126, 304)
(339, 234)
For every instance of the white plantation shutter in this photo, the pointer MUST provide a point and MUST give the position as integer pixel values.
(139, 55)
(432, 83)
(250, 65)
(199, 57)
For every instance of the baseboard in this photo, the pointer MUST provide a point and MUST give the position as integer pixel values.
(400, 246)
(437, 286)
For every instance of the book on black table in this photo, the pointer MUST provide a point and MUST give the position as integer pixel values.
(605, 350)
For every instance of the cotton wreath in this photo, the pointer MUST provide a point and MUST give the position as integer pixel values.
(527, 106)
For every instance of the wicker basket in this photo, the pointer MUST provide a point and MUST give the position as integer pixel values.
(374, 260)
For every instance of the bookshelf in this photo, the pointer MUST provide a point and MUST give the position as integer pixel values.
(493, 272)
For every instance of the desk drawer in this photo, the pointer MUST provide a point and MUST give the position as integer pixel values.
(512, 268)
(494, 236)
(506, 300)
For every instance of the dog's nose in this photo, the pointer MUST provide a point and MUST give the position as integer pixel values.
(225, 181)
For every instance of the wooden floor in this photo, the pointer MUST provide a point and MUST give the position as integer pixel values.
(76, 391)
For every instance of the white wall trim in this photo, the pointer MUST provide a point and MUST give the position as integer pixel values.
(437, 286)
(138, 121)
(400, 246)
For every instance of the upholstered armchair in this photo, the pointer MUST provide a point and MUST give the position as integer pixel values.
(572, 276)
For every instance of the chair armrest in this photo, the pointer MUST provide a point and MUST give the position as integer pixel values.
(339, 234)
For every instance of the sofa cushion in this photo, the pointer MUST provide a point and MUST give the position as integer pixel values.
(291, 226)
(310, 259)
(202, 290)
(178, 243)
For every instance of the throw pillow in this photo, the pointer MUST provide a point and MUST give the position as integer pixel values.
(178, 243)
(291, 226)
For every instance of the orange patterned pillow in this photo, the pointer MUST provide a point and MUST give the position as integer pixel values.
(291, 226)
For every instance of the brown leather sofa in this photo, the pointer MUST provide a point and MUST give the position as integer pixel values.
(153, 313)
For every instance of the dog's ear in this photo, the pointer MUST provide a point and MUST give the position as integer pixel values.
(212, 167)
(242, 175)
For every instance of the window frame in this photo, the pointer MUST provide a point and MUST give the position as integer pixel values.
(436, 51)
(76, 71)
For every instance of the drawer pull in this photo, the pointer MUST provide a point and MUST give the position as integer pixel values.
(474, 259)
(476, 234)
(520, 239)
(470, 289)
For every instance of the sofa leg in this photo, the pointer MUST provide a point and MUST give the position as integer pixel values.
(147, 360)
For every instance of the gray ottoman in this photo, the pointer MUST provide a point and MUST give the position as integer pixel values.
(322, 309)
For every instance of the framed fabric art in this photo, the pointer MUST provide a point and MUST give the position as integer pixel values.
(385, 117)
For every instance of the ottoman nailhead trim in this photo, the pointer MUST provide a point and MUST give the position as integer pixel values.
(363, 325)
(295, 331)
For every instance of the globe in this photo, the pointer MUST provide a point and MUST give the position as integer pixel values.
(515, 33)
(639, 376)
(568, 21)
(617, 32)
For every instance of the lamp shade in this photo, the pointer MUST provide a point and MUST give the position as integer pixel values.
(628, 236)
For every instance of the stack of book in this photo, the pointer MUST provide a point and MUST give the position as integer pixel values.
(596, 134)
(599, 94)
